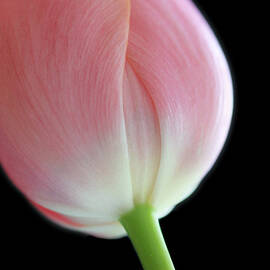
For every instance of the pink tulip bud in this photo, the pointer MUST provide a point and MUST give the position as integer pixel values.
(105, 105)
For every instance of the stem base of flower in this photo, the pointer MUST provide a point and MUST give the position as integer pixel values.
(145, 234)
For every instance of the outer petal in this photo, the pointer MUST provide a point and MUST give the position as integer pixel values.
(182, 67)
(62, 133)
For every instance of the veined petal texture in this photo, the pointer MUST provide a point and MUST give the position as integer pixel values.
(180, 64)
(105, 104)
(62, 134)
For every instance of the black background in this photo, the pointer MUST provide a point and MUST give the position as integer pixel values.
(206, 230)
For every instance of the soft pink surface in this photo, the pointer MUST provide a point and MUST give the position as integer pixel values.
(183, 70)
(61, 115)
(107, 103)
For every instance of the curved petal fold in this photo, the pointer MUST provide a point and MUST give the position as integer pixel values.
(110, 103)
(143, 135)
(179, 61)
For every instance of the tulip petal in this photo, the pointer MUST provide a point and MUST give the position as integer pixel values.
(143, 135)
(179, 62)
(105, 230)
(62, 132)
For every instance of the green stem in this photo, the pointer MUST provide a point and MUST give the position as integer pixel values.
(144, 232)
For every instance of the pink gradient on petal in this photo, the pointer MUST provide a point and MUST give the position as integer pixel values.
(143, 134)
(62, 136)
(56, 217)
(109, 103)
(179, 61)
(104, 230)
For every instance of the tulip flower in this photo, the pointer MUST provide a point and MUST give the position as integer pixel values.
(111, 111)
